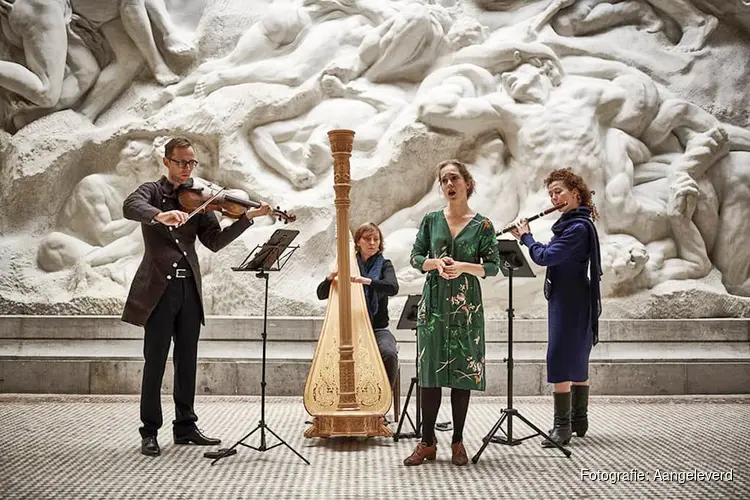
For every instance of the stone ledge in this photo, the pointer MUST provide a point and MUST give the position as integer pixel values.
(240, 351)
(307, 328)
(287, 377)
(102, 355)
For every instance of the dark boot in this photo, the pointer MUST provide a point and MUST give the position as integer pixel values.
(561, 432)
(579, 415)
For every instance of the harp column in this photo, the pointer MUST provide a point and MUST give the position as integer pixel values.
(341, 149)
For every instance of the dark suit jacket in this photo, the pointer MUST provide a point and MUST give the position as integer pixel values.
(165, 247)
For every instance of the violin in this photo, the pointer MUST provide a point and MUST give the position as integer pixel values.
(203, 195)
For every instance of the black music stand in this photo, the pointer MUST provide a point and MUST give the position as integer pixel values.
(408, 321)
(512, 263)
(262, 259)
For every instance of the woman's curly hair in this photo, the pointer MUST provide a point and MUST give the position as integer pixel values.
(574, 182)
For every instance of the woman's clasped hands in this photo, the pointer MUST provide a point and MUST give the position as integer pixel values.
(446, 267)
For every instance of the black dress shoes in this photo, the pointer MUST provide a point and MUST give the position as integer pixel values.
(150, 447)
(196, 437)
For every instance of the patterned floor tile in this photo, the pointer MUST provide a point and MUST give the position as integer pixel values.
(87, 447)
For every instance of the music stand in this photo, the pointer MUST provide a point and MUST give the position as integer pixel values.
(408, 321)
(263, 259)
(512, 263)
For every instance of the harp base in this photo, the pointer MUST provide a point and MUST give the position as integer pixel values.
(353, 423)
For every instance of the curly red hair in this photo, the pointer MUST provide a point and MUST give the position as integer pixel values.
(574, 182)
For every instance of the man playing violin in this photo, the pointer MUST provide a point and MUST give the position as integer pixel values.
(165, 297)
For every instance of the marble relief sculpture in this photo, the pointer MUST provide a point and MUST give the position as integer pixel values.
(59, 66)
(679, 20)
(643, 98)
(536, 107)
(90, 226)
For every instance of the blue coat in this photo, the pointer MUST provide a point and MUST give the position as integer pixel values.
(570, 256)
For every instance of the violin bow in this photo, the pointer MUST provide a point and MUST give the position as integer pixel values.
(204, 205)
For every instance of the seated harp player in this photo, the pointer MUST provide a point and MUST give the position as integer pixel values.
(347, 390)
(379, 281)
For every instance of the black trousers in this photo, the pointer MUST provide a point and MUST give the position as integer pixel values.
(177, 316)
(388, 352)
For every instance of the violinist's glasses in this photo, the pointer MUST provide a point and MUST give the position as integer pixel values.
(184, 163)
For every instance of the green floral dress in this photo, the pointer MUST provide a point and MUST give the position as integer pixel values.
(450, 319)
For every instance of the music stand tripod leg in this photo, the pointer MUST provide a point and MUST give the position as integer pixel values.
(404, 416)
(413, 388)
(228, 451)
(487, 439)
(287, 445)
(544, 435)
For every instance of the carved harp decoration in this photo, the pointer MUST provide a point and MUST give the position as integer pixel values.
(347, 390)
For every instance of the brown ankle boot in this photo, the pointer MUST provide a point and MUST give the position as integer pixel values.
(422, 452)
(459, 454)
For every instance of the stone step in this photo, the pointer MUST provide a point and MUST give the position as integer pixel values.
(240, 350)
(286, 377)
(234, 367)
(308, 329)
(102, 355)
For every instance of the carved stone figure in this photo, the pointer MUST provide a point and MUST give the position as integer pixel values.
(583, 17)
(60, 68)
(393, 44)
(278, 32)
(81, 72)
(117, 76)
(90, 225)
(299, 149)
(39, 28)
(401, 48)
(137, 17)
(315, 43)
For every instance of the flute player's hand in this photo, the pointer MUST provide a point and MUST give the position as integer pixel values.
(521, 228)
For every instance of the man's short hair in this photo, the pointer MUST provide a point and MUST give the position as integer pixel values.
(176, 143)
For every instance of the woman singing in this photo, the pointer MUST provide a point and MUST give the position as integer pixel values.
(455, 246)
(571, 287)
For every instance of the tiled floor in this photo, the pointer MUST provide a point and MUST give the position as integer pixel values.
(81, 447)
